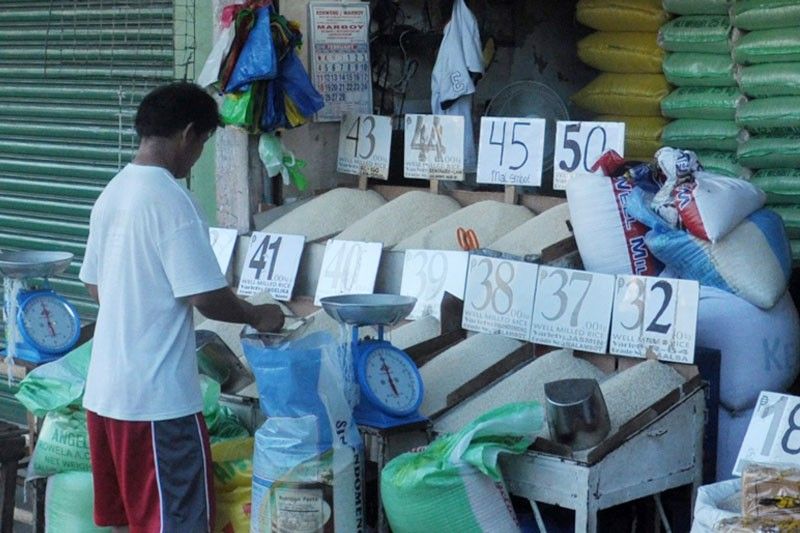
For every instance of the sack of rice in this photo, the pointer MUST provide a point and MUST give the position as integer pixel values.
(706, 34)
(625, 52)
(624, 94)
(715, 502)
(609, 239)
(760, 15)
(795, 246)
(698, 7)
(711, 103)
(621, 15)
(543, 230)
(753, 261)
(782, 185)
(732, 428)
(759, 352)
(400, 218)
(642, 135)
(692, 69)
(327, 214)
(768, 46)
(723, 163)
(770, 152)
(698, 134)
(790, 214)
(776, 116)
(488, 219)
(769, 79)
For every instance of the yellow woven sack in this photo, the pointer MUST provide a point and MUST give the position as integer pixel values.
(642, 134)
(625, 52)
(624, 94)
(233, 481)
(621, 15)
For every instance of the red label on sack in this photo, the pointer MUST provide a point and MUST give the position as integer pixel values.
(686, 204)
(643, 262)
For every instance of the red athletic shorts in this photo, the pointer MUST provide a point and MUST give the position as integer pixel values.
(152, 476)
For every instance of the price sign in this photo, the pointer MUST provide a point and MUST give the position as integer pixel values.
(511, 151)
(223, 241)
(427, 274)
(271, 264)
(773, 435)
(364, 145)
(572, 309)
(434, 147)
(348, 267)
(580, 144)
(656, 315)
(498, 297)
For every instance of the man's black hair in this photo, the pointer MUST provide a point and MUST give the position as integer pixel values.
(170, 108)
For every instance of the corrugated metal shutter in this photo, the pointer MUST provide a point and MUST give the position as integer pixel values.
(72, 75)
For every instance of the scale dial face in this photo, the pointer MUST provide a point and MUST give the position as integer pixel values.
(391, 380)
(48, 322)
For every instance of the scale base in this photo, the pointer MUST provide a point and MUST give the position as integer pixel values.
(371, 417)
(25, 353)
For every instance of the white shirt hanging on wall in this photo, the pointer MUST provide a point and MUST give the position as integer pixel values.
(451, 83)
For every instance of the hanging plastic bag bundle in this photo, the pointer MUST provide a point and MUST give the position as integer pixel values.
(242, 24)
(257, 60)
(243, 108)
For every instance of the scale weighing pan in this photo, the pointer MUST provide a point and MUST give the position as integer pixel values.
(368, 309)
(33, 264)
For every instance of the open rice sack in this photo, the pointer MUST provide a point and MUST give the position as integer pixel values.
(621, 15)
(760, 15)
(706, 34)
(769, 79)
(692, 69)
(697, 7)
(624, 94)
(775, 116)
(710, 103)
(642, 135)
(624, 52)
(782, 185)
(699, 134)
(770, 152)
(768, 46)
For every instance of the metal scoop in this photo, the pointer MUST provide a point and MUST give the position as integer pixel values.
(576, 413)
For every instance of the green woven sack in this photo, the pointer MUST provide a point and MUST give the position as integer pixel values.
(795, 245)
(791, 219)
(782, 185)
(770, 152)
(770, 79)
(706, 34)
(723, 163)
(768, 46)
(712, 103)
(693, 69)
(776, 116)
(697, 7)
(697, 134)
(766, 14)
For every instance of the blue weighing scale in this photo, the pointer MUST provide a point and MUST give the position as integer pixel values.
(391, 386)
(46, 325)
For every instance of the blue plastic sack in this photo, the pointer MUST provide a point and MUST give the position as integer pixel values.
(753, 261)
(274, 114)
(296, 84)
(257, 60)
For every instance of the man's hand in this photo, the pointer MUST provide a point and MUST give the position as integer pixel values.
(267, 318)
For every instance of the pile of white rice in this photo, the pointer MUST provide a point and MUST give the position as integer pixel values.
(489, 219)
(400, 218)
(327, 214)
(543, 230)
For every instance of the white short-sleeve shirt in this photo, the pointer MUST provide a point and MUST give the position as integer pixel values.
(148, 250)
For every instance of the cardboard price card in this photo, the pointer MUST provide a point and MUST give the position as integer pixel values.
(434, 147)
(572, 309)
(427, 274)
(773, 436)
(223, 241)
(348, 267)
(498, 297)
(364, 145)
(580, 144)
(510, 151)
(656, 316)
(271, 264)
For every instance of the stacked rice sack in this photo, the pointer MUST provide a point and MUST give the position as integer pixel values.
(631, 84)
(699, 42)
(768, 71)
(673, 218)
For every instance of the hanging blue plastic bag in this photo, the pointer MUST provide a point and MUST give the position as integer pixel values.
(257, 60)
(274, 114)
(296, 84)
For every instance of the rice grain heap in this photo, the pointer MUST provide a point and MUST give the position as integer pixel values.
(543, 230)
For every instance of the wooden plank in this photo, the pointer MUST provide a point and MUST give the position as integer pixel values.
(435, 186)
(363, 181)
(510, 194)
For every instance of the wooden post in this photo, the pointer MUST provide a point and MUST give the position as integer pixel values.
(510, 194)
(435, 187)
(362, 182)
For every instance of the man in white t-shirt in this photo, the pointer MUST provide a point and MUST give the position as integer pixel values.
(148, 262)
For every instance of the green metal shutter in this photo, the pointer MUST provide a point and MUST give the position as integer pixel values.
(72, 75)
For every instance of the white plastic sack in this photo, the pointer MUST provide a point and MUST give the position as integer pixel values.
(707, 506)
(609, 239)
(69, 504)
(732, 429)
(760, 348)
(210, 73)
